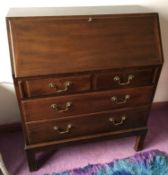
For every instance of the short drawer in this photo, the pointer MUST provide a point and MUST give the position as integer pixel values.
(124, 78)
(86, 125)
(65, 106)
(56, 85)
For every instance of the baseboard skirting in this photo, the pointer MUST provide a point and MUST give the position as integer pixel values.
(160, 105)
(10, 127)
(14, 127)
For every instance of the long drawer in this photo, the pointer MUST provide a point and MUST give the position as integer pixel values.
(86, 125)
(65, 106)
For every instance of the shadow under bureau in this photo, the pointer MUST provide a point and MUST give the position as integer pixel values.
(83, 76)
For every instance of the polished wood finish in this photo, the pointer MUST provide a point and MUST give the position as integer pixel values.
(44, 131)
(84, 77)
(32, 162)
(40, 87)
(15, 127)
(141, 77)
(84, 139)
(39, 44)
(140, 141)
(41, 109)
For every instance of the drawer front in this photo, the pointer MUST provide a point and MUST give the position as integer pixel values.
(53, 45)
(124, 78)
(85, 125)
(56, 86)
(59, 107)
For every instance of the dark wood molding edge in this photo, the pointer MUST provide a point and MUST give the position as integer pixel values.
(13, 127)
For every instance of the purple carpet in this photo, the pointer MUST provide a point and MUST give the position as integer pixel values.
(11, 147)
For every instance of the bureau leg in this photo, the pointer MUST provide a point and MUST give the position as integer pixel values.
(31, 159)
(140, 142)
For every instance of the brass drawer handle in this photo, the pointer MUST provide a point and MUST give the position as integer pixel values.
(60, 131)
(90, 19)
(59, 108)
(123, 118)
(130, 77)
(115, 100)
(67, 84)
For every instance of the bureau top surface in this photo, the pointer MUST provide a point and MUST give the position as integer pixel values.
(79, 41)
(71, 11)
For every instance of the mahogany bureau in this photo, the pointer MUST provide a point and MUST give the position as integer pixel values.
(83, 74)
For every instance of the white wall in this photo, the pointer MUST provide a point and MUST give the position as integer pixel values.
(8, 106)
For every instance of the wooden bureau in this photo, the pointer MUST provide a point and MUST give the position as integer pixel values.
(83, 74)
